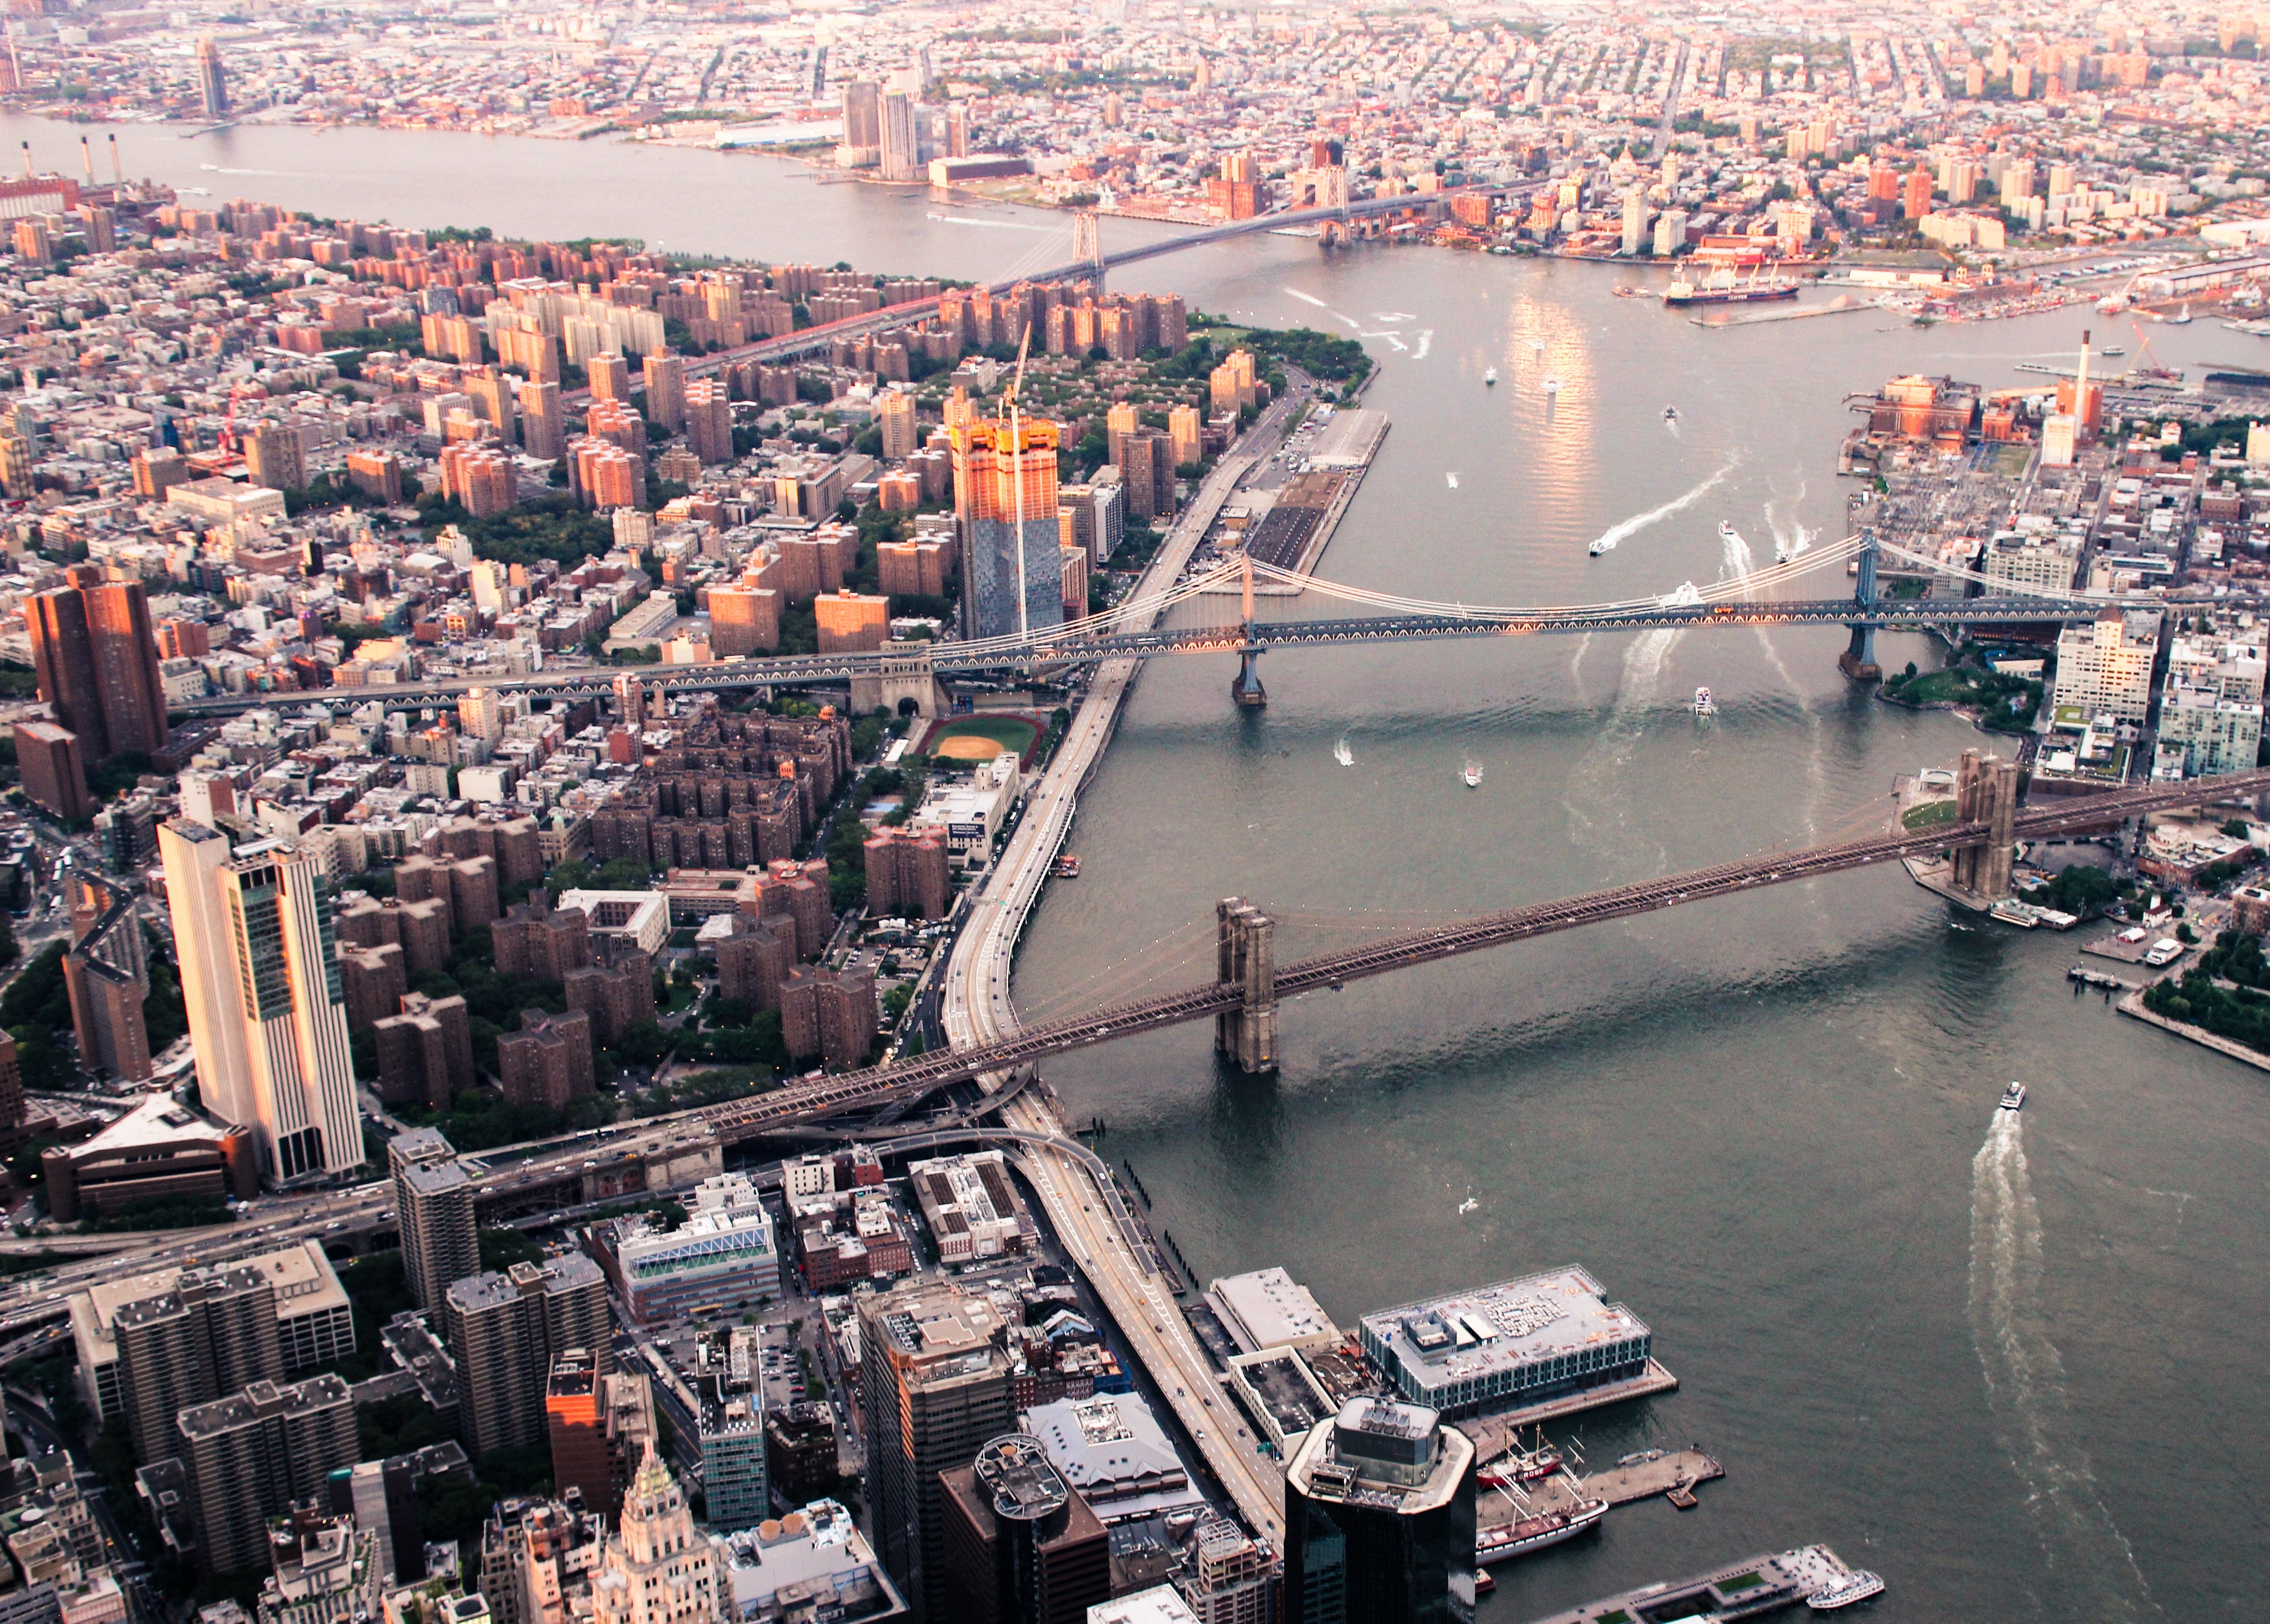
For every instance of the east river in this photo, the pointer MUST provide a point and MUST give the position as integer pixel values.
(2022, 1376)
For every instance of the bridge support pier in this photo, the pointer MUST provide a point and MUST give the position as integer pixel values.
(1246, 687)
(1858, 662)
(1245, 953)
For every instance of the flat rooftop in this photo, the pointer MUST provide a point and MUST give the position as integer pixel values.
(1503, 1327)
(1269, 1309)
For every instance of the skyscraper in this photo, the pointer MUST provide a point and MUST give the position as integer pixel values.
(252, 1455)
(665, 390)
(656, 1570)
(935, 1388)
(505, 1330)
(54, 771)
(902, 137)
(1022, 1546)
(543, 426)
(107, 978)
(260, 975)
(434, 1204)
(1005, 493)
(1379, 1519)
(97, 660)
(862, 125)
(277, 457)
(210, 1334)
(213, 78)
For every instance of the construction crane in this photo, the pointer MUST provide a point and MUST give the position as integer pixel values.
(237, 391)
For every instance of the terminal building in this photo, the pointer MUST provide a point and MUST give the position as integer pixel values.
(1269, 1309)
(1509, 1344)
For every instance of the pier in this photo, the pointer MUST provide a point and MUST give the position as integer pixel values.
(1672, 1473)
(1740, 1591)
(1494, 1434)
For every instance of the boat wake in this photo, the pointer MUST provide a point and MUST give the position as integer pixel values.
(1600, 803)
(2035, 1425)
(1791, 537)
(1629, 528)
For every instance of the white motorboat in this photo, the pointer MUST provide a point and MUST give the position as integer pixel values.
(2014, 1098)
(1472, 775)
(1342, 754)
(1704, 705)
(1551, 386)
(1490, 376)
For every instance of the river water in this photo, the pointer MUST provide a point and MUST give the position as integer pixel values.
(2015, 1367)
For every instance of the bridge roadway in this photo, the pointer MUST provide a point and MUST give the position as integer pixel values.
(790, 345)
(1071, 648)
(554, 1176)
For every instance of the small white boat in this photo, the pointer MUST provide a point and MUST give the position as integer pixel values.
(1671, 414)
(1782, 554)
(1453, 480)
(1342, 754)
(1859, 1585)
(1490, 376)
(1468, 1205)
(1537, 344)
(1552, 386)
(1472, 775)
(1727, 532)
(2014, 1098)
(2181, 317)
(1600, 547)
(1704, 705)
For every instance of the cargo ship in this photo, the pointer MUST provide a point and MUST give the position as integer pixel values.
(1722, 288)
(1507, 1540)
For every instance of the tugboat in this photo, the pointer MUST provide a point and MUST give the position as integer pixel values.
(2014, 1098)
(1534, 1533)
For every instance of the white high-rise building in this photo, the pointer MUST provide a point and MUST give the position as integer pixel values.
(260, 975)
(481, 712)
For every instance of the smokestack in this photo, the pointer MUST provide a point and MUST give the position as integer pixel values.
(116, 174)
(86, 158)
(27, 161)
(2080, 390)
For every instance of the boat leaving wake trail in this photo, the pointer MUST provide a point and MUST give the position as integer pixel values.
(2090, 1565)
(1638, 523)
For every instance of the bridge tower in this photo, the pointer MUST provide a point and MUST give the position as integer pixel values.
(1986, 792)
(1246, 689)
(1858, 662)
(1087, 243)
(1245, 954)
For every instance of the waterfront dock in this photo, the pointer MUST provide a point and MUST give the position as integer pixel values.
(1739, 1590)
(1671, 1472)
(1497, 1432)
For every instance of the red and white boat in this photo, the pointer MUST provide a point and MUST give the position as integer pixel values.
(1507, 1541)
(1529, 1466)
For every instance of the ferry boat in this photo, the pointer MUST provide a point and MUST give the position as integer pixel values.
(1472, 775)
(1490, 376)
(1704, 705)
(1065, 867)
(2014, 1098)
(1722, 288)
(1507, 1540)
(1859, 1587)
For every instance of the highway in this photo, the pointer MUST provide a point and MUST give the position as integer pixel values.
(1082, 1207)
